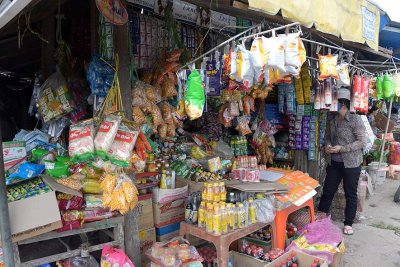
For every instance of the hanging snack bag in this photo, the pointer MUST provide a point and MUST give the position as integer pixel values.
(302, 52)
(243, 125)
(379, 87)
(233, 66)
(245, 69)
(327, 66)
(396, 80)
(343, 72)
(54, 98)
(357, 80)
(292, 56)
(168, 89)
(121, 149)
(81, 145)
(194, 96)
(259, 58)
(276, 52)
(388, 86)
(106, 134)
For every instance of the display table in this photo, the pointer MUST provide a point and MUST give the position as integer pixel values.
(281, 216)
(117, 224)
(221, 242)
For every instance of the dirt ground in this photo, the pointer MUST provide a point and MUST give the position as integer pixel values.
(376, 239)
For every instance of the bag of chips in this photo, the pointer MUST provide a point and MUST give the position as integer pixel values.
(292, 56)
(106, 134)
(259, 58)
(327, 66)
(121, 149)
(343, 72)
(276, 52)
(81, 144)
(245, 71)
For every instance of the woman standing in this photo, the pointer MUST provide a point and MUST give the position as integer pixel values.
(345, 138)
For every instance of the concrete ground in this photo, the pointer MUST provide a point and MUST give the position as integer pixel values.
(376, 239)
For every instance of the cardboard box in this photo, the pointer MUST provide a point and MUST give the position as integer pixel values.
(168, 213)
(144, 212)
(39, 214)
(266, 245)
(147, 238)
(14, 152)
(168, 195)
(239, 259)
(167, 232)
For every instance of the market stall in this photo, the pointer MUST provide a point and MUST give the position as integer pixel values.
(215, 130)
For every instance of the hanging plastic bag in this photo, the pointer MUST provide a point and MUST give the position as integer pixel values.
(194, 96)
(357, 80)
(54, 98)
(365, 83)
(233, 63)
(343, 72)
(245, 69)
(106, 134)
(121, 149)
(112, 256)
(328, 83)
(388, 86)
(276, 52)
(302, 52)
(396, 79)
(243, 125)
(292, 56)
(379, 87)
(259, 58)
(81, 145)
(327, 66)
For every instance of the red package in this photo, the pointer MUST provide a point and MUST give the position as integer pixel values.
(75, 203)
(357, 84)
(71, 225)
(364, 94)
(98, 214)
(111, 256)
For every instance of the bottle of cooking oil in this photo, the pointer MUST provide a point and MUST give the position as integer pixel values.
(210, 192)
(252, 211)
(209, 218)
(217, 229)
(222, 190)
(217, 193)
(202, 215)
(224, 218)
(204, 191)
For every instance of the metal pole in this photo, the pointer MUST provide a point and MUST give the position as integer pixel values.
(386, 130)
(326, 45)
(5, 228)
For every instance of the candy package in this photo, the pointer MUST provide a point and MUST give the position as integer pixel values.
(327, 66)
(106, 134)
(81, 145)
(121, 149)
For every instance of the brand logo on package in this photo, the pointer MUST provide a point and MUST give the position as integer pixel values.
(124, 137)
(105, 127)
(167, 207)
(79, 133)
(113, 10)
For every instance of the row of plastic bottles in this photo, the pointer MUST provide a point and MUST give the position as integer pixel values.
(221, 218)
(214, 192)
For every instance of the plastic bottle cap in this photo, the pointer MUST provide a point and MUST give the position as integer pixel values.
(316, 260)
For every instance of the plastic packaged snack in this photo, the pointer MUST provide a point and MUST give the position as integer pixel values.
(139, 98)
(25, 171)
(343, 72)
(93, 201)
(302, 52)
(108, 183)
(91, 186)
(111, 256)
(243, 125)
(153, 94)
(71, 215)
(248, 105)
(245, 72)
(327, 66)
(259, 58)
(106, 134)
(81, 145)
(73, 203)
(121, 149)
(276, 52)
(168, 89)
(97, 214)
(72, 182)
(138, 116)
(292, 56)
(194, 96)
(156, 114)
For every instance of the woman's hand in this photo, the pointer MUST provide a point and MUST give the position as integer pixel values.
(332, 149)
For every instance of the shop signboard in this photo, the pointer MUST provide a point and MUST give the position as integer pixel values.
(113, 10)
(143, 3)
(185, 11)
(160, 6)
(369, 21)
(223, 21)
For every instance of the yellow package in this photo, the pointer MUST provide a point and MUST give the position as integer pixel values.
(327, 66)
(91, 186)
(302, 52)
(109, 182)
(298, 85)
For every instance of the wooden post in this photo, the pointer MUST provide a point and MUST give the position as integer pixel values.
(121, 39)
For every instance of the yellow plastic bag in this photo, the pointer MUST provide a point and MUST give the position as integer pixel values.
(327, 66)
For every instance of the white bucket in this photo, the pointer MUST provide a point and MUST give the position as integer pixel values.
(377, 176)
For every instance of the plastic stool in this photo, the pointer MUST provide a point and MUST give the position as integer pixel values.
(281, 216)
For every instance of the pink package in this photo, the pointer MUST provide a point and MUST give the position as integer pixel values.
(111, 256)
(252, 175)
(239, 174)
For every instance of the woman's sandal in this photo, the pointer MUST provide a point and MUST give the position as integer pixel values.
(348, 230)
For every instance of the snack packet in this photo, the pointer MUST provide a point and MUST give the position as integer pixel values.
(121, 149)
(106, 134)
(327, 66)
(81, 145)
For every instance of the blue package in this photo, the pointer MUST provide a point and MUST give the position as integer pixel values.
(25, 171)
(100, 76)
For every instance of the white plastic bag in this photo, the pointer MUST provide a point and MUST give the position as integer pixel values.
(121, 149)
(81, 146)
(106, 134)
(265, 210)
(276, 52)
(259, 58)
(292, 57)
(245, 70)
(233, 73)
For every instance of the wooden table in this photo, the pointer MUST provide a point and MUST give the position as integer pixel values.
(221, 242)
(117, 235)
